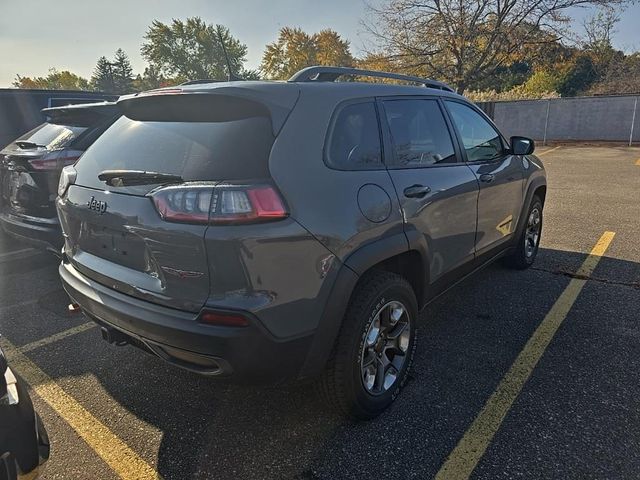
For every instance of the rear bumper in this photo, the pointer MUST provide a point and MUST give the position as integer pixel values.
(249, 353)
(43, 233)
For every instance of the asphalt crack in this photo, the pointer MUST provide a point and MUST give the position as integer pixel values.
(570, 274)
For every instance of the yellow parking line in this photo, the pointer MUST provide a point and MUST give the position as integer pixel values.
(550, 150)
(126, 463)
(638, 162)
(466, 455)
(58, 336)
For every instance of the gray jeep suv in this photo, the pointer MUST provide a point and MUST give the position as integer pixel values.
(278, 230)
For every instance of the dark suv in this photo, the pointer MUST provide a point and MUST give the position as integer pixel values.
(276, 230)
(30, 168)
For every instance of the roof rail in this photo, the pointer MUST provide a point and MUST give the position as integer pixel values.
(330, 74)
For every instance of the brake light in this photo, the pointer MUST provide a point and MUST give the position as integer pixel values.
(160, 91)
(45, 163)
(222, 204)
(223, 319)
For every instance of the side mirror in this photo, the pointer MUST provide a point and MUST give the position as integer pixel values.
(522, 146)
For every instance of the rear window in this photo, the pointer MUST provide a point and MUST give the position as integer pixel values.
(196, 151)
(52, 136)
(354, 139)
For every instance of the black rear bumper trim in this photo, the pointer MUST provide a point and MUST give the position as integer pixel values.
(178, 337)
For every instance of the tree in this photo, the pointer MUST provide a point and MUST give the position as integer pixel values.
(192, 50)
(295, 49)
(578, 78)
(621, 77)
(122, 72)
(55, 80)
(331, 49)
(466, 41)
(150, 79)
(102, 78)
(113, 76)
(599, 29)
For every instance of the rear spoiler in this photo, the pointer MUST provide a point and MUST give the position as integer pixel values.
(213, 103)
(81, 114)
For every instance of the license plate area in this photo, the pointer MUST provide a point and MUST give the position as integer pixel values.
(119, 246)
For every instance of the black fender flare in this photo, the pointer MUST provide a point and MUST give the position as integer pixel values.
(353, 267)
(533, 186)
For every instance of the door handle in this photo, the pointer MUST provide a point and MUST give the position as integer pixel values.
(487, 177)
(416, 191)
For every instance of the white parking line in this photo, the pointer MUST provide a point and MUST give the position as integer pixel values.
(57, 337)
(18, 254)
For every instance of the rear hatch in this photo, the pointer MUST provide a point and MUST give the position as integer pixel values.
(30, 166)
(136, 215)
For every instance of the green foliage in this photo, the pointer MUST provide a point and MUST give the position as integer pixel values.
(506, 77)
(192, 49)
(579, 77)
(621, 77)
(540, 83)
(122, 72)
(102, 79)
(468, 42)
(55, 80)
(152, 79)
(295, 49)
(113, 76)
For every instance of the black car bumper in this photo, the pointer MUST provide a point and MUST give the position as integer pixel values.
(43, 233)
(249, 353)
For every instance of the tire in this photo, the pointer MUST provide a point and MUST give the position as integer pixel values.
(529, 240)
(352, 381)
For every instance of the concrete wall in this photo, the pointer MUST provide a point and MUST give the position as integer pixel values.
(582, 118)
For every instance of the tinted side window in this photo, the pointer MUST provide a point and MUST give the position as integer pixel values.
(480, 139)
(354, 140)
(419, 133)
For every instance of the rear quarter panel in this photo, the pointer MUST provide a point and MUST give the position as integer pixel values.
(324, 200)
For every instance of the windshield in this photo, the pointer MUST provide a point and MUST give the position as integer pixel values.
(192, 150)
(52, 136)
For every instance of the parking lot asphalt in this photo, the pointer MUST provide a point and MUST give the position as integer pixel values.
(115, 412)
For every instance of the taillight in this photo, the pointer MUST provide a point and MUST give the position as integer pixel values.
(184, 204)
(67, 177)
(222, 204)
(223, 319)
(52, 163)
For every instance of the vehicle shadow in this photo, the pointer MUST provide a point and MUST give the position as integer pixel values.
(468, 338)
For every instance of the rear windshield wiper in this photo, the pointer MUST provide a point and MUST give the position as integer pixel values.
(28, 145)
(125, 178)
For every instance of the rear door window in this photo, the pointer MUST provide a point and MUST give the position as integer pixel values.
(419, 134)
(354, 138)
(196, 151)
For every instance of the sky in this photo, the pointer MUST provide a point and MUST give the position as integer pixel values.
(36, 35)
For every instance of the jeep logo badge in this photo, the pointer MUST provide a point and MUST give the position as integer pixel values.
(97, 205)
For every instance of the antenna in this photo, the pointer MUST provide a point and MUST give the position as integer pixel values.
(230, 75)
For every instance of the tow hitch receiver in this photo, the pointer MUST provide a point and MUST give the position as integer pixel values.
(114, 336)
